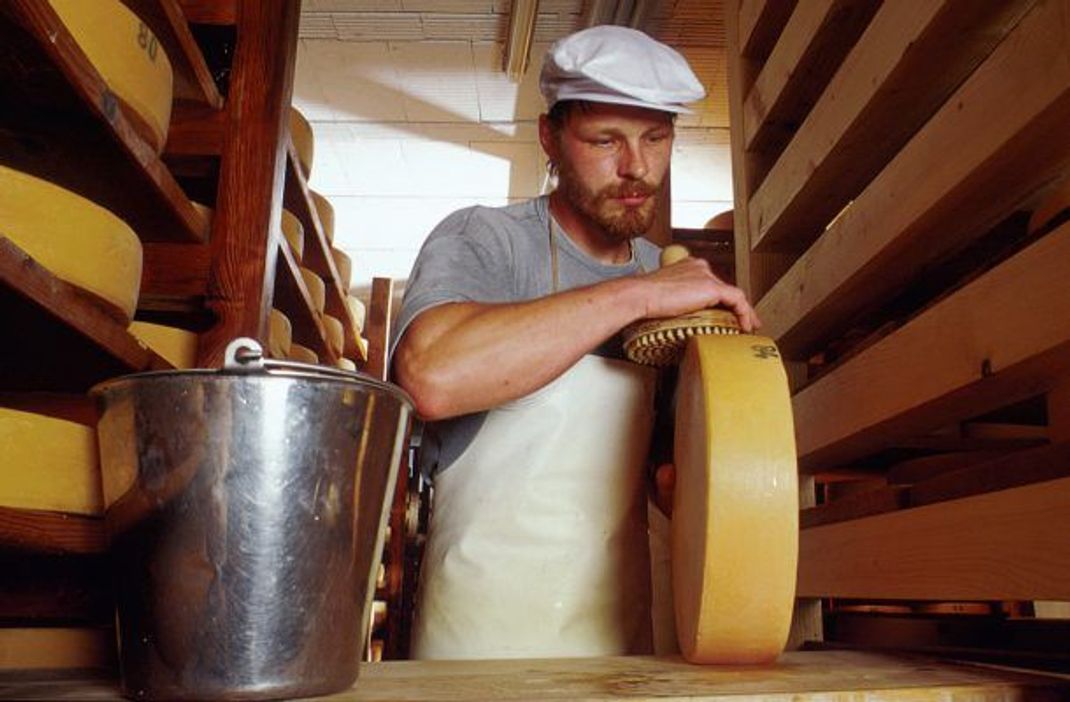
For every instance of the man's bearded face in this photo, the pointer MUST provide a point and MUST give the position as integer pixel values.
(608, 206)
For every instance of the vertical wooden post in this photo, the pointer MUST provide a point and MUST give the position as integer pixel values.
(377, 329)
(249, 202)
(1058, 432)
(806, 623)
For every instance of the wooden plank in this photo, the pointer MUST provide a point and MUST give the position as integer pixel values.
(760, 24)
(806, 618)
(818, 35)
(293, 299)
(864, 504)
(998, 546)
(175, 270)
(897, 75)
(801, 676)
(196, 130)
(192, 79)
(377, 327)
(1001, 339)
(252, 170)
(51, 532)
(210, 11)
(1059, 410)
(917, 469)
(924, 204)
(62, 123)
(62, 339)
(756, 272)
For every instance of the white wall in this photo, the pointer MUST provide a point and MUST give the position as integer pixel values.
(406, 132)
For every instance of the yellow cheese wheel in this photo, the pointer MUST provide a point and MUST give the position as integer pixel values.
(127, 56)
(77, 240)
(335, 334)
(294, 232)
(49, 464)
(304, 144)
(735, 510)
(280, 335)
(344, 264)
(56, 648)
(357, 311)
(303, 354)
(325, 210)
(317, 291)
(346, 364)
(177, 346)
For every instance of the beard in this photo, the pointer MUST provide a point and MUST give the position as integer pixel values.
(603, 208)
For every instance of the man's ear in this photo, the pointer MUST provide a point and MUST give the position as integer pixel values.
(547, 138)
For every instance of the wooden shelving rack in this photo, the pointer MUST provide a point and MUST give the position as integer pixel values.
(886, 157)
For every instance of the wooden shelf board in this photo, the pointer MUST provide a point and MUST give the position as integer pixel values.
(803, 676)
(69, 128)
(210, 11)
(317, 254)
(293, 300)
(61, 339)
(51, 532)
(193, 81)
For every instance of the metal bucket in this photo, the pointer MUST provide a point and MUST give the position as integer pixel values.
(246, 510)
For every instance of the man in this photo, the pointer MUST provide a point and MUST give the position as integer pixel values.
(538, 432)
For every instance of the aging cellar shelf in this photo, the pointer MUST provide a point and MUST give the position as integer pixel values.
(65, 125)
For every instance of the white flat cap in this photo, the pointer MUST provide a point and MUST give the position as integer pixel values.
(620, 66)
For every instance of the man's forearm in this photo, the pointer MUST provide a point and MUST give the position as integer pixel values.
(467, 357)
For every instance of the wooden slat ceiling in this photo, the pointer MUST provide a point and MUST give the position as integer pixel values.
(681, 23)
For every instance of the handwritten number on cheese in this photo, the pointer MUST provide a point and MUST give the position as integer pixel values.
(147, 41)
(765, 351)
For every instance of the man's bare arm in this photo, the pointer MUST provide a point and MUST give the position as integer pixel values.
(466, 357)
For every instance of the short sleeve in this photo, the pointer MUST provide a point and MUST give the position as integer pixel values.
(466, 258)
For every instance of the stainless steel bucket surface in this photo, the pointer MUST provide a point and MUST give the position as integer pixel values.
(246, 510)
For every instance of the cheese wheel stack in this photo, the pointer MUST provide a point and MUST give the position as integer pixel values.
(335, 334)
(294, 233)
(303, 354)
(129, 58)
(304, 144)
(317, 291)
(77, 240)
(325, 210)
(280, 335)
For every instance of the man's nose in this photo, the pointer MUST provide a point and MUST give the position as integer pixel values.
(633, 162)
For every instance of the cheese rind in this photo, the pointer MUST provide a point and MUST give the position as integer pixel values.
(280, 335)
(335, 334)
(304, 143)
(317, 291)
(177, 346)
(344, 264)
(325, 210)
(735, 523)
(303, 354)
(77, 240)
(357, 311)
(347, 364)
(127, 55)
(294, 232)
(50, 464)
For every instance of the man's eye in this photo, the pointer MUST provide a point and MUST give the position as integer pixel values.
(602, 143)
(657, 138)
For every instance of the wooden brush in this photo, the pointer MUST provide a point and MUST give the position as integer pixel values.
(660, 342)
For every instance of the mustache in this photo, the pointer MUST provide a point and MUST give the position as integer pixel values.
(632, 189)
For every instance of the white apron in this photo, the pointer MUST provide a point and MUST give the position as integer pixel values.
(538, 541)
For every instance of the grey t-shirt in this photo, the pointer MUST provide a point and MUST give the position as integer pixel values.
(498, 254)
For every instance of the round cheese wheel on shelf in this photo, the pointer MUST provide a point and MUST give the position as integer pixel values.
(77, 240)
(357, 311)
(294, 232)
(735, 523)
(280, 335)
(335, 334)
(304, 144)
(50, 464)
(325, 210)
(177, 346)
(346, 364)
(303, 354)
(127, 56)
(344, 264)
(317, 291)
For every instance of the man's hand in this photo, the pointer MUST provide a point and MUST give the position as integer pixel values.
(690, 285)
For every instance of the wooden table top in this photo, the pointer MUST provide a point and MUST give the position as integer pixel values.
(798, 676)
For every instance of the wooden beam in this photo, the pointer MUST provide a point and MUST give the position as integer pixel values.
(818, 35)
(925, 203)
(377, 327)
(1059, 411)
(1001, 339)
(896, 76)
(1004, 545)
(760, 24)
(755, 273)
(249, 206)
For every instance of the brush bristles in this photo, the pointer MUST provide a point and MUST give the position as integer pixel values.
(663, 346)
